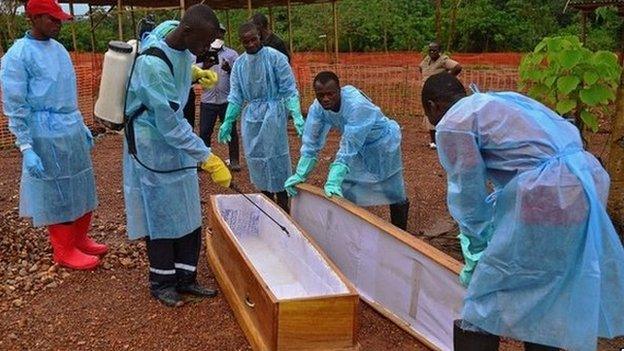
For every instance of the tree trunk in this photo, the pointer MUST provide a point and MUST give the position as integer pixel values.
(438, 20)
(451, 36)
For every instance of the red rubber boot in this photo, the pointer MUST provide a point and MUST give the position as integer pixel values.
(83, 242)
(64, 251)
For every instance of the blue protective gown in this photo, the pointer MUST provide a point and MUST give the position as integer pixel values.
(370, 146)
(40, 98)
(162, 205)
(553, 271)
(264, 81)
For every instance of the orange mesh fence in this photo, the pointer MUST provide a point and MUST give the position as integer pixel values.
(391, 80)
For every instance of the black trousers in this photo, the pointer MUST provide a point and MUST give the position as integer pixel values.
(189, 109)
(208, 114)
(173, 261)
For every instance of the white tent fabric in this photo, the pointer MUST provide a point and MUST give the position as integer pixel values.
(388, 273)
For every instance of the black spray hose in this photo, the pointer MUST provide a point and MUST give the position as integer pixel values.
(235, 188)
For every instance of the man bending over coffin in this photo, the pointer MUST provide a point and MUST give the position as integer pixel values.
(550, 268)
(367, 169)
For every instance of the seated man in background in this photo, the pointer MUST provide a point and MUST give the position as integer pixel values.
(543, 262)
(435, 63)
(368, 169)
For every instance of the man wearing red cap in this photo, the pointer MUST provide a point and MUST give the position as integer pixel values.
(40, 99)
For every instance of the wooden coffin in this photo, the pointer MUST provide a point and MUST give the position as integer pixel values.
(410, 282)
(283, 290)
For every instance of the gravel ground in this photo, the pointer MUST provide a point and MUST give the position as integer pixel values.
(46, 307)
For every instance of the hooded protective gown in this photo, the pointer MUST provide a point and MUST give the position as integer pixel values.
(553, 271)
(264, 81)
(39, 97)
(370, 146)
(162, 205)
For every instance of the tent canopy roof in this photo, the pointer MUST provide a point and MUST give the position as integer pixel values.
(215, 4)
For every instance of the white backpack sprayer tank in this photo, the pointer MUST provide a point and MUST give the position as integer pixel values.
(118, 60)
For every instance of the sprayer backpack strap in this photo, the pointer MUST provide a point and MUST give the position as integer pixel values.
(129, 129)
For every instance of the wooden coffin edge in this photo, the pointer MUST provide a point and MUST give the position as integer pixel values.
(252, 335)
(254, 338)
(417, 244)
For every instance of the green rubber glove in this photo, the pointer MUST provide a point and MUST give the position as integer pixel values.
(337, 173)
(472, 254)
(293, 105)
(304, 168)
(231, 114)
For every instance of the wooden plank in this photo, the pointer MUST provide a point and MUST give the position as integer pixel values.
(429, 251)
(249, 294)
(246, 323)
(328, 323)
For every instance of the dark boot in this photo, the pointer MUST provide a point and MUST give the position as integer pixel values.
(399, 214)
(464, 340)
(235, 165)
(186, 256)
(432, 133)
(166, 294)
(270, 195)
(195, 289)
(233, 150)
(529, 346)
(282, 201)
(162, 273)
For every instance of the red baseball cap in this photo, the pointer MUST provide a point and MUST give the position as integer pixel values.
(47, 7)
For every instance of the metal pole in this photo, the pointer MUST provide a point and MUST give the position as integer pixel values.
(120, 19)
(134, 26)
(583, 27)
(290, 34)
(73, 25)
(335, 10)
(229, 30)
(92, 29)
(249, 7)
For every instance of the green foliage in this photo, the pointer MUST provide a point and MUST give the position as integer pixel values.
(564, 74)
(480, 26)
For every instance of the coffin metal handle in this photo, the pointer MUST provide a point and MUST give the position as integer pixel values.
(248, 302)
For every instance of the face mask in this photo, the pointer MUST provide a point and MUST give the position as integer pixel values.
(217, 44)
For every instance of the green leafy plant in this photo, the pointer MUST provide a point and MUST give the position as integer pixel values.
(570, 78)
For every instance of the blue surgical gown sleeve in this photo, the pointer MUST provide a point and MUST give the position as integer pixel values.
(236, 92)
(286, 79)
(314, 133)
(159, 94)
(359, 121)
(467, 189)
(14, 80)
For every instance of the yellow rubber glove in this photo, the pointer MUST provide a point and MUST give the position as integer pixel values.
(209, 81)
(196, 73)
(219, 173)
